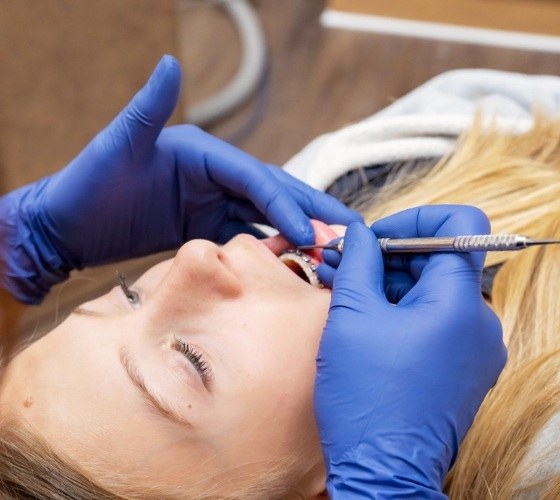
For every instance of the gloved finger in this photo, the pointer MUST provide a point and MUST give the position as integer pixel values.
(316, 204)
(282, 211)
(267, 188)
(141, 121)
(433, 220)
(360, 273)
(405, 262)
(242, 175)
(445, 279)
(234, 227)
(332, 257)
(436, 220)
(448, 276)
(466, 219)
(326, 273)
(397, 285)
(313, 203)
(243, 209)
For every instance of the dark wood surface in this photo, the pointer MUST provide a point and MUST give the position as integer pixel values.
(319, 79)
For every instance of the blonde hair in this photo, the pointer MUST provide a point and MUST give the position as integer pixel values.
(30, 468)
(515, 179)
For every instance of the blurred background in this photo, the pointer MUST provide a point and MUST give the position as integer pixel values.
(266, 75)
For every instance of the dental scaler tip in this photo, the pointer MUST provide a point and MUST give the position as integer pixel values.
(464, 243)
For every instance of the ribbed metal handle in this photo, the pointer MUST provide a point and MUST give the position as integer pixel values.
(467, 243)
(487, 242)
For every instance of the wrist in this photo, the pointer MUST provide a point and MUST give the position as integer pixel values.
(29, 263)
(391, 469)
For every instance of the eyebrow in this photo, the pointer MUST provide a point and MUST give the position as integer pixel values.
(151, 399)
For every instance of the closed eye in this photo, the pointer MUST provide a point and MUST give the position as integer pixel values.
(196, 359)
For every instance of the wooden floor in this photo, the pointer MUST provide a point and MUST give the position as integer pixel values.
(319, 79)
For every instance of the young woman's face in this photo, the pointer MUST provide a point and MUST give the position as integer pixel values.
(205, 383)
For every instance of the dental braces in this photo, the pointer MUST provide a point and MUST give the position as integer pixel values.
(303, 261)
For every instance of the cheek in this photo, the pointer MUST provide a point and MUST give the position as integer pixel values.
(286, 367)
(292, 421)
(292, 397)
(265, 359)
(278, 419)
(265, 378)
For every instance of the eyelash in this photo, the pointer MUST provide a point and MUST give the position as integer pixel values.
(195, 357)
(131, 295)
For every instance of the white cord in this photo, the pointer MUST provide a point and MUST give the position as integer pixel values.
(250, 71)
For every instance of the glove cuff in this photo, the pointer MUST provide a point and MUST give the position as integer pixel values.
(398, 471)
(29, 262)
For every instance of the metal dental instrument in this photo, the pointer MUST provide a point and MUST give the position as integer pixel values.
(465, 243)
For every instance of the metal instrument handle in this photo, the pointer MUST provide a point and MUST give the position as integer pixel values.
(467, 243)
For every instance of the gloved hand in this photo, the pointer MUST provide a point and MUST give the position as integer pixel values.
(137, 189)
(398, 385)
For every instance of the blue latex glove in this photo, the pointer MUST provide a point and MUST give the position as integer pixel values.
(398, 385)
(137, 189)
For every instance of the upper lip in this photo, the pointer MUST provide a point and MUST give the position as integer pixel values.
(273, 256)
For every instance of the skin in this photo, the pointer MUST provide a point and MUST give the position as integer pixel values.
(256, 325)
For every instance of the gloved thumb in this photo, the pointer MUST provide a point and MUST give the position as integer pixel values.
(141, 121)
(360, 273)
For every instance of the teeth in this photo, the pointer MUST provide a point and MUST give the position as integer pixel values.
(301, 264)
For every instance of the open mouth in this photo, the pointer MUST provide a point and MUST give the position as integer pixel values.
(302, 265)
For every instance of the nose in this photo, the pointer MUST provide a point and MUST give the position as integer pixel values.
(198, 276)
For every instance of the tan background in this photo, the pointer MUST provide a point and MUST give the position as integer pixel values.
(319, 80)
(66, 66)
(531, 16)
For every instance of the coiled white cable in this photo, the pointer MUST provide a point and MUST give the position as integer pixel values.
(249, 74)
